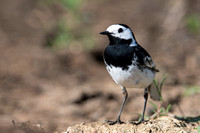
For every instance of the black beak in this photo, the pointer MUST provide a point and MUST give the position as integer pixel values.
(105, 33)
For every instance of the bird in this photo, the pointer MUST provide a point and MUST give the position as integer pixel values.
(129, 65)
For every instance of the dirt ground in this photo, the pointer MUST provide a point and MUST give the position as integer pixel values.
(159, 125)
(55, 89)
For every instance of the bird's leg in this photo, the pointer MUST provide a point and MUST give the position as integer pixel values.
(125, 93)
(145, 103)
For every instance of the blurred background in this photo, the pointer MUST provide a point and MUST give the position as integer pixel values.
(51, 67)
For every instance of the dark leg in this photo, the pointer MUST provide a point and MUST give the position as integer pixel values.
(145, 103)
(125, 93)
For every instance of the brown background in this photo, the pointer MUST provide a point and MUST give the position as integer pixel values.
(61, 87)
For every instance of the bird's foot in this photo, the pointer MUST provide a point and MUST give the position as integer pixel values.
(114, 122)
(137, 123)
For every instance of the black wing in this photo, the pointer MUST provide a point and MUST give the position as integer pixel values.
(144, 59)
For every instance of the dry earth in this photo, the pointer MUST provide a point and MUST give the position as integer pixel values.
(164, 124)
(160, 125)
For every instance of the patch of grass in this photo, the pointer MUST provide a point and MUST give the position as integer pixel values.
(191, 90)
(73, 5)
(198, 129)
(161, 109)
(193, 23)
(159, 87)
(140, 116)
(62, 36)
(71, 29)
(189, 119)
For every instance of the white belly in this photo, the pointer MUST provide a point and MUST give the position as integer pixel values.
(131, 78)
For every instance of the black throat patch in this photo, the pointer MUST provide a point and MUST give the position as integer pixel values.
(119, 55)
(116, 40)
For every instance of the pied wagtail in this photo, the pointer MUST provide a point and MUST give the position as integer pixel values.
(129, 65)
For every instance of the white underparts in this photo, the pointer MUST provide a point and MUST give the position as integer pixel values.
(133, 77)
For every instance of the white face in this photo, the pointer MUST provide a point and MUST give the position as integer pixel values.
(120, 31)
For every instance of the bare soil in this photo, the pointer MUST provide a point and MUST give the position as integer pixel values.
(159, 125)
(44, 90)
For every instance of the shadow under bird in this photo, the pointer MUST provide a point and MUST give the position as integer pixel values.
(129, 65)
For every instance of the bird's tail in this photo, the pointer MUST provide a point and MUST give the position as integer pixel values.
(154, 92)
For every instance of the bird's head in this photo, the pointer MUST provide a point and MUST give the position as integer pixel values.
(117, 32)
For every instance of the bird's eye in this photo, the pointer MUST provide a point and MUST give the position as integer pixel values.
(120, 30)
